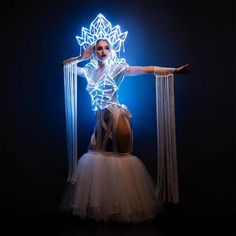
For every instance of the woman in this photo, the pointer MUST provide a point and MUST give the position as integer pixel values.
(111, 183)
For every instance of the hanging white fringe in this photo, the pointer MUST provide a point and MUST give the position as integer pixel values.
(167, 172)
(70, 89)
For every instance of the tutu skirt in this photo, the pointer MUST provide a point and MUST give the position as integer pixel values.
(112, 187)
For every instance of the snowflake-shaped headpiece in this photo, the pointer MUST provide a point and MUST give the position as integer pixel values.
(101, 28)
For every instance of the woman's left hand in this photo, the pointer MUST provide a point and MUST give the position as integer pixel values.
(182, 69)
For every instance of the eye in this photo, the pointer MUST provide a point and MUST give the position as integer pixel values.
(99, 48)
(107, 48)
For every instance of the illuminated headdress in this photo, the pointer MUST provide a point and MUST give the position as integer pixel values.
(101, 28)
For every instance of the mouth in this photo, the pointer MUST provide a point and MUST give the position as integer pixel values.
(103, 56)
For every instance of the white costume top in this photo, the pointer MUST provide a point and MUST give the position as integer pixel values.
(103, 83)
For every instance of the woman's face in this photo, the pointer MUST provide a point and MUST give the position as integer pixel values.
(102, 50)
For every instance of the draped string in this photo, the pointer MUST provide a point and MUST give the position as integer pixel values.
(167, 172)
(70, 90)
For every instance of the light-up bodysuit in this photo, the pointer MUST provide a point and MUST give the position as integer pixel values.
(103, 85)
(109, 183)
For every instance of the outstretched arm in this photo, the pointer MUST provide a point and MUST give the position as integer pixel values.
(87, 53)
(80, 70)
(140, 70)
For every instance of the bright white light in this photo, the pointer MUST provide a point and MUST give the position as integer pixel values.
(102, 28)
(103, 91)
(103, 87)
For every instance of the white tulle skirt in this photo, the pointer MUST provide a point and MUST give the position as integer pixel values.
(111, 187)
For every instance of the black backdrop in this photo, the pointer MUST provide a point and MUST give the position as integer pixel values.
(37, 36)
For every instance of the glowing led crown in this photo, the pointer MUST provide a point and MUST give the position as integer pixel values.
(102, 28)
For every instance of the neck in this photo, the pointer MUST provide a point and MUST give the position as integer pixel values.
(101, 63)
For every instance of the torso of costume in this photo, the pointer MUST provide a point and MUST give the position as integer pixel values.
(103, 85)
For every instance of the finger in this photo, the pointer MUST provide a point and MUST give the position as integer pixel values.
(91, 46)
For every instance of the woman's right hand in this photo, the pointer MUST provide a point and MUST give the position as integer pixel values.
(87, 53)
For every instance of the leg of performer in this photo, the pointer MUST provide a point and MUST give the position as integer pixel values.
(124, 135)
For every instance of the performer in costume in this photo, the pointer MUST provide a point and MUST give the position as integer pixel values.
(107, 183)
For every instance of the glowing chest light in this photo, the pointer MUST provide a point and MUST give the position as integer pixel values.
(102, 87)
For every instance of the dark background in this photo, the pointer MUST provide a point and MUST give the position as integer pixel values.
(37, 36)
